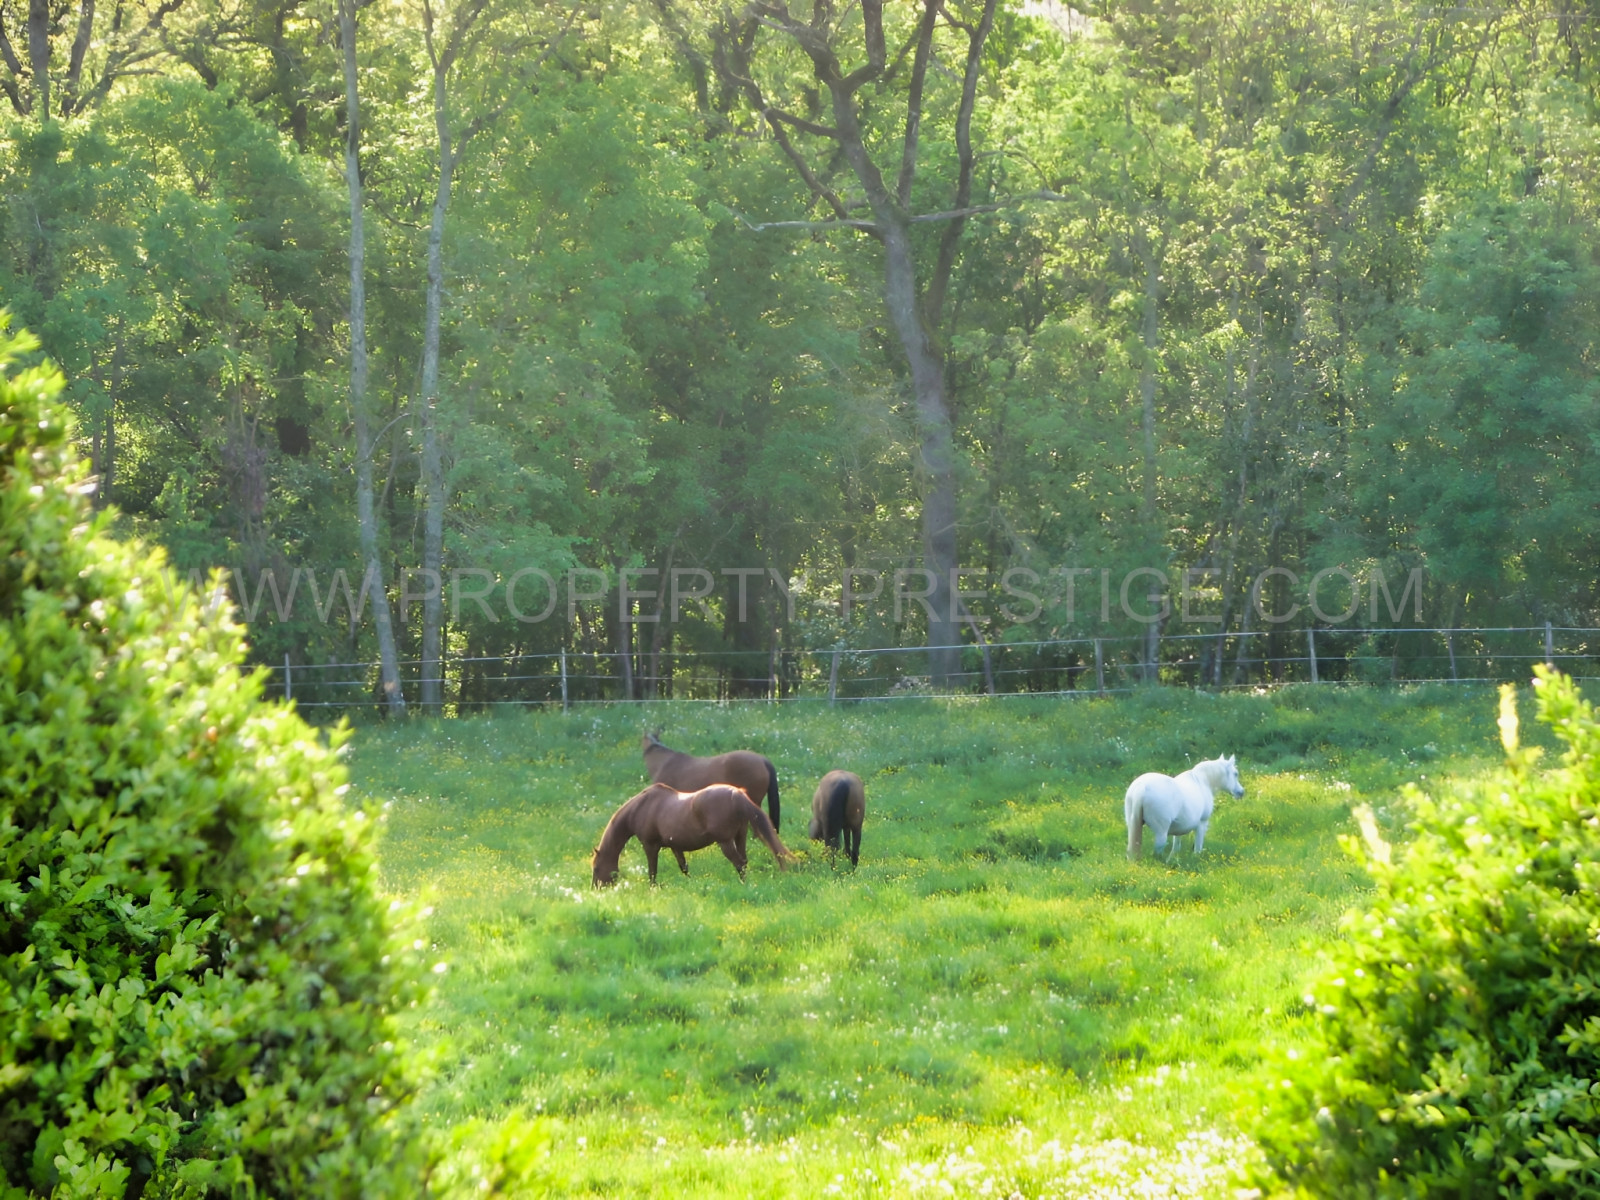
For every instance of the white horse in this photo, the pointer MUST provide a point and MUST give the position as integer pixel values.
(1177, 804)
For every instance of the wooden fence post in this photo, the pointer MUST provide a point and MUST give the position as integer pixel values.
(1311, 652)
(288, 678)
(563, 679)
(1450, 646)
(1099, 668)
(1549, 645)
(833, 678)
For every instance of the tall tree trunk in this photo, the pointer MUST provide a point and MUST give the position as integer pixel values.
(433, 481)
(462, 34)
(1151, 336)
(366, 515)
(625, 646)
(103, 456)
(658, 634)
(39, 56)
(914, 304)
(1241, 653)
(939, 542)
(107, 476)
(1241, 499)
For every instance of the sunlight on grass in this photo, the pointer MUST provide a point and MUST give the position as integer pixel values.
(997, 1001)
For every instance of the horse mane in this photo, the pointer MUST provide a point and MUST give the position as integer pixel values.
(1210, 771)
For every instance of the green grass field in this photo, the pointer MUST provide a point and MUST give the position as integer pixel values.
(996, 1002)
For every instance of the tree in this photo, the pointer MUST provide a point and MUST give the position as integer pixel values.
(102, 50)
(366, 516)
(915, 275)
(453, 39)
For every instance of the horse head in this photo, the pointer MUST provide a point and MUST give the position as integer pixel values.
(650, 741)
(1229, 776)
(605, 872)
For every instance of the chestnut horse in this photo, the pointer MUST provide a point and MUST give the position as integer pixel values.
(839, 806)
(743, 768)
(681, 821)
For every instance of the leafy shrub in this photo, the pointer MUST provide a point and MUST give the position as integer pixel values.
(195, 968)
(1461, 1022)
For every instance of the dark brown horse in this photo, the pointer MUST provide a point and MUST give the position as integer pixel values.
(683, 821)
(743, 768)
(839, 806)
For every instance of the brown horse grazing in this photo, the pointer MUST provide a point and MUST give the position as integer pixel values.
(839, 805)
(742, 768)
(682, 821)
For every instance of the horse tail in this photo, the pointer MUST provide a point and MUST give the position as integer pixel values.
(772, 794)
(1133, 813)
(838, 803)
(768, 833)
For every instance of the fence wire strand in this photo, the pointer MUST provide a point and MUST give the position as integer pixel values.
(1069, 667)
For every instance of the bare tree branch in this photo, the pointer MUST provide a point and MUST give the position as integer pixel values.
(740, 74)
(819, 189)
(39, 55)
(12, 85)
(959, 214)
(80, 44)
(485, 119)
(939, 282)
(121, 61)
(919, 77)
(777, 114)
(841, 223)
(699, 68)
(872, 18)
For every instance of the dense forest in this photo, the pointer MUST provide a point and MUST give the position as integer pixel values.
(737, 306)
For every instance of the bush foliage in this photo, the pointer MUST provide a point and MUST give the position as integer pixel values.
(196, 971)
(1461, 1021)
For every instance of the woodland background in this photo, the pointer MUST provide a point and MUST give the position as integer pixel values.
(1227, 284)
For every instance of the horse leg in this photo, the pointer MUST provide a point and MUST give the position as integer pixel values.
(683, 863)
(1160, 832)
(855, 846)
(1199, 836)
(652, 851)
(735, 853)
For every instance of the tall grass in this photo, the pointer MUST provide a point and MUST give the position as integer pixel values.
(997, 998)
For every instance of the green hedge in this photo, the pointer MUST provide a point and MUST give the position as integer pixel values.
(197, 975)
(1460, 1030)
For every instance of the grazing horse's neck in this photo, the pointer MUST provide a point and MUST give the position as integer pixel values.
(1205, 774)
(618, 830)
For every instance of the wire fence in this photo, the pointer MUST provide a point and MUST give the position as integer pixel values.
(1082, 666)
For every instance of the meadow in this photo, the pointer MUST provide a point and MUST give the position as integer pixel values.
(996, 1002)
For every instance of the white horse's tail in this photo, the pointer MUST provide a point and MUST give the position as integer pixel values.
(1133, 812)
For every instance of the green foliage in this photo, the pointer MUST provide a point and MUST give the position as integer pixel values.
(197, 975)
(1494, 382)
(1460, 1039)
